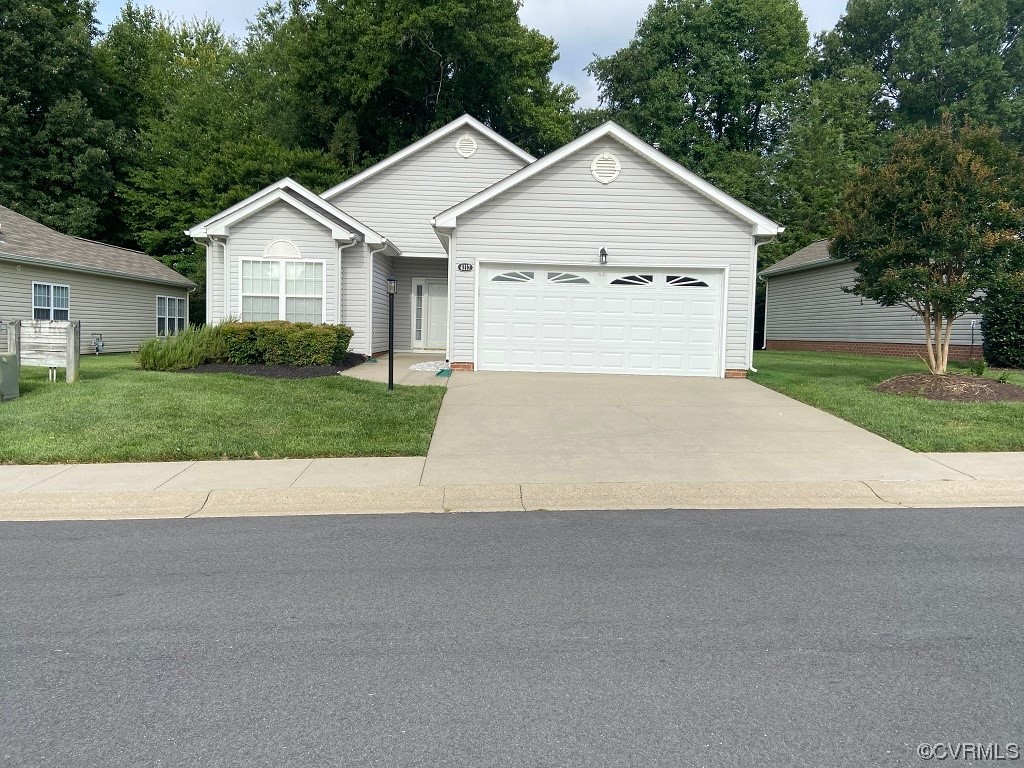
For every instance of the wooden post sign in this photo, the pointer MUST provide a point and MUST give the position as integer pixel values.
(51, 344)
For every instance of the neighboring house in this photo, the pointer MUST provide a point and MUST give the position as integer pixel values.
(604, 256)
(807, 309)
(123, 295)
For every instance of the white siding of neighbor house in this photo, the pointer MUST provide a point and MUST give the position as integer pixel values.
(643, 218)
(401, 200)
(249, 238)
(406, 271)
(811, 306)
(382, 265)
(123, 311)
(354, 295)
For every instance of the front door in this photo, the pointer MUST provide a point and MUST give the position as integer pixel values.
(436, 313)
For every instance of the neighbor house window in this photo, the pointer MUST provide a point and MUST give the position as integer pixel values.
(289, 290)
(171, 314)
(50, 302)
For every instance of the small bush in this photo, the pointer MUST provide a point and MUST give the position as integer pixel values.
(977, 367)
(193, 346)
(277, 342)
(1002, 324)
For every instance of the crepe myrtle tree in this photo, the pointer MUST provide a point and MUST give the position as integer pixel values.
(933, 226)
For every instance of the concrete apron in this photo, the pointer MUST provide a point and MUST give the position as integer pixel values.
(572, 428)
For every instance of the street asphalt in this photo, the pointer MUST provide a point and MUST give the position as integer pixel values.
(665, 638)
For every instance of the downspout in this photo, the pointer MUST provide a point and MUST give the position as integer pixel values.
(451, 294)
(369, 304)
(340, 283)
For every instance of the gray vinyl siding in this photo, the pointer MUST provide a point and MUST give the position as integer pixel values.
(382, 265)
(401, 200)
(644, 218)
(811, 306)
(123, 311)
(249, 238)
(354, 295)
(407, 270)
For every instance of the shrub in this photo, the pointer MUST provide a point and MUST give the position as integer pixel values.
(193, 346)
(276, 342)
(1002, 323)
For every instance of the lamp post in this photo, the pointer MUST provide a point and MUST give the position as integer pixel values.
(392, 290)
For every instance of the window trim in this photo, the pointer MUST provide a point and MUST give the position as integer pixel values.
(50, 308)
(156, 322)
(282, 297)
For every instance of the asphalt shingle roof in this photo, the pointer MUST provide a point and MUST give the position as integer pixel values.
(24, 239)
(812, 255)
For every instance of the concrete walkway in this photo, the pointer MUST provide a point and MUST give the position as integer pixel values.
(531, 442)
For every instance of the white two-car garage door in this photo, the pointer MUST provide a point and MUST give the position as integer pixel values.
(599, 320)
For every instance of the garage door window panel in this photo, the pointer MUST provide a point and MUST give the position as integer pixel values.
(514, 277)
(634, 280)
(567, 278)
(683, 281)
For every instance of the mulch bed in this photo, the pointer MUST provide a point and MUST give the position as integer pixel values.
(952, 387)
(351, 360)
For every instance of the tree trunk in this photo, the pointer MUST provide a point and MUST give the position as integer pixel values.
(930, 337)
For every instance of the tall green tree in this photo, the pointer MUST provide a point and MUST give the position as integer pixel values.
(960, 57)
(202, 139)
(365, 78)
(708, 77)
(57, 158)
(934, 226)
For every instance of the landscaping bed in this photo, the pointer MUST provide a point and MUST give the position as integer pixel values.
(117, 412)
(956, 388)
(351, 360)
(846, 386)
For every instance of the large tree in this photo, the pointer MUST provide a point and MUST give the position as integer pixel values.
(708, 77)
(57, 156)
(364, 78)
(934, 226)
(961, 57)
(203, 140)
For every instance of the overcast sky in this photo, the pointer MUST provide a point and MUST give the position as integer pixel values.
(583, 28)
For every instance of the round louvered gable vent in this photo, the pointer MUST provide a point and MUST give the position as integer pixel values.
(466, 145)
(282, 249)
(606, 168)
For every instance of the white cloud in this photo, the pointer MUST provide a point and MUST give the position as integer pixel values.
(583, 31)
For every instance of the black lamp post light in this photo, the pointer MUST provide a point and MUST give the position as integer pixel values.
(392, 290)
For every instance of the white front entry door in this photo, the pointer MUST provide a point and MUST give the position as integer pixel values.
(600, 320)
(436, 314)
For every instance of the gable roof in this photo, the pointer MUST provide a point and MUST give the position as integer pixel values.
(24, 240)
(763, 226)
(288, 191)
(809, 257)
(466, 121)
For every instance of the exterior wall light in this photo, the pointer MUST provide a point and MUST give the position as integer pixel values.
(603, 256)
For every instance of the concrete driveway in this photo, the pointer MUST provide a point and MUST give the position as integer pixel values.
(584, 428)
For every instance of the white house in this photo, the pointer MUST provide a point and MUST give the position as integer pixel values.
(604, 256)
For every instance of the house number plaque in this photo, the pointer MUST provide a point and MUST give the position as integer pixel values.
(465, 267)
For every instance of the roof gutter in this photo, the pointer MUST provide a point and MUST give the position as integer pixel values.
(183, 283)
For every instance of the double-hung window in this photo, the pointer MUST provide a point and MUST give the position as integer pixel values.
(50, 301)
(171, 315)
(283, 290)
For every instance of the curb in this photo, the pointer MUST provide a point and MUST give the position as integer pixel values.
(423, 499)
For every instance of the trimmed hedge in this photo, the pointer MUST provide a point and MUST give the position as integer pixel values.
(277, 342)
(187, 349)
(1002, 323)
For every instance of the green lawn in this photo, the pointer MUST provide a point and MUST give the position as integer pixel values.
(117, 412)
(842, 385)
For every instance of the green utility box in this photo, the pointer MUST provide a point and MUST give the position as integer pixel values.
(9, 370)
